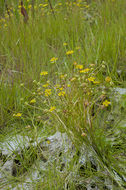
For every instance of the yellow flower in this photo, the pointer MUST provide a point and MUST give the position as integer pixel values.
(17, 115)
(62, 93)
(84, 70)
(79, 66)
(106, 103)
(33, 101)
(48, 92)
(53, 59)
(96, 82)
(48, 142)
(108, 79)
(45, 85)
(43, 73)
(64, 44)
(91, 79)
(69, 52)
(52, 108)
(61, 88)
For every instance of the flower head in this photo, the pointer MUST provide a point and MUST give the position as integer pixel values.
(96, 82)
(43, 73)
(84, 70)
(45, 85)
(52, 108)
(70, 52)
(53, 59)
(91, 79)
(48, 92)
(79, 66)
(33, 101)
(108, 79)
(106, 103)
(62, 93)
(48, 142)
(17, 115)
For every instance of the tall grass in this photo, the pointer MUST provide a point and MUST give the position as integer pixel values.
(96, 34)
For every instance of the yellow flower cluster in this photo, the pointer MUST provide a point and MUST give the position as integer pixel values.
(48, 92)
(43, 73)
(53, 59)
(62, 93)
(70, 52)
(85, 70)
(17, 115)
(79, 66)
(91, 79)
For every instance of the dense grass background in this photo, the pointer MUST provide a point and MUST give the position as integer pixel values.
(95, 31)
(26, 49)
